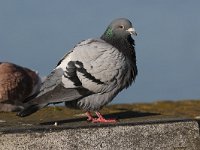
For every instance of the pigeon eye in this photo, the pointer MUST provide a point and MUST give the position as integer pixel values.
(121, 26)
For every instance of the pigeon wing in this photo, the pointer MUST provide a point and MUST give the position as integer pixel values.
(97, 66)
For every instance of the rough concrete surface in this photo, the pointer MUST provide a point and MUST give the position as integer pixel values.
(150, 126)
(180, 135)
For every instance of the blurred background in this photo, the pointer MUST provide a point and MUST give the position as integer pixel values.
(36, 34)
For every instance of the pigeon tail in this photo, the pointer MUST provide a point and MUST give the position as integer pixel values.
(57, 95)
(29, 110)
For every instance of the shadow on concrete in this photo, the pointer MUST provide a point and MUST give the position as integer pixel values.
(198, 121)
(128, 114)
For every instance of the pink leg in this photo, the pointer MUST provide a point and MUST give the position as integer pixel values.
(101, 119)
(89, 115)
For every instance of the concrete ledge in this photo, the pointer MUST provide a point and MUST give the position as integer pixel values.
(151, 133)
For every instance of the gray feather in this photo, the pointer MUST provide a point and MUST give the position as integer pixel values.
(61, 94)
(51, 81)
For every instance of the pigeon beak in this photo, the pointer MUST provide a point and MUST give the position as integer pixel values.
(132, 31)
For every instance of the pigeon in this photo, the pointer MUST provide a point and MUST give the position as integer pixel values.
(16, 85)
(90, 75)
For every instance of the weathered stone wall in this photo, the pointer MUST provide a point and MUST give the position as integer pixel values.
(180, 135)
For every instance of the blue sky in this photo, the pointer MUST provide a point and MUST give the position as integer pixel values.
(36, 34)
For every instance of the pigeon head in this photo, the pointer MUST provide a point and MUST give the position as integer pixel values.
(119, 28)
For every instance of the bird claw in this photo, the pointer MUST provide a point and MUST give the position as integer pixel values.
(90, 119)
(103, 120)
(100, 118)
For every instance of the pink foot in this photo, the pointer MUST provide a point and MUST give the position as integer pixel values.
(100, 118)
(103, 120)
(90, 118)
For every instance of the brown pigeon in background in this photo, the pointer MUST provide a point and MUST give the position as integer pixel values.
(16, 85)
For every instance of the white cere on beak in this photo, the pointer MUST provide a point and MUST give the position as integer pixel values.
(132, 31)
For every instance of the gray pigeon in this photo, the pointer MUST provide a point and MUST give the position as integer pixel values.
(17, 84)
(92, 73)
